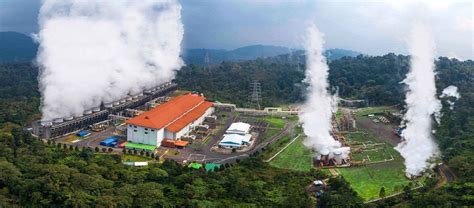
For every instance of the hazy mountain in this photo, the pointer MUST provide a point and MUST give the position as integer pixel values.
(16, 47)
(213, 56)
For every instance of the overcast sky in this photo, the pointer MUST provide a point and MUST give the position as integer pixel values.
(371, 27)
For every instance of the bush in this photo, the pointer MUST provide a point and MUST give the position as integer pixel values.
(104, 149)
(96, 149)
(110, 150)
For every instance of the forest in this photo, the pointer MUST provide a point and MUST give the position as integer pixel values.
(45, 175)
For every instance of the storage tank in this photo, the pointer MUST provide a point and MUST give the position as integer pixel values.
(78, 115)
(58, 120)
(87, 112)
(338, 157)
(108, 105)
(46, 123)
(129, 98)
(116, 103)
(96, 109)
(325, 156)
(69, 118)
(123, 100)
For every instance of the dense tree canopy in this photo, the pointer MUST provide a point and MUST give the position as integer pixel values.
(33, 173)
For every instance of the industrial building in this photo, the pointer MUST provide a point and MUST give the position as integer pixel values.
(168, 121)
(236, 136)
(61, 126)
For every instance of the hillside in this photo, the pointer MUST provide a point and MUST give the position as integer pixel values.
(16, 47)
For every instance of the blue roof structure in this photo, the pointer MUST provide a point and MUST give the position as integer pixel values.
(83, 133)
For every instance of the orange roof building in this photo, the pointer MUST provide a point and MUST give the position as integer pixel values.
(170, 120)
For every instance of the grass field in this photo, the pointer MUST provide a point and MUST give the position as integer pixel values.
(367, 180)
(373, 150)
(275, 122)
(295, 157)
(134, 158)
(372, 110)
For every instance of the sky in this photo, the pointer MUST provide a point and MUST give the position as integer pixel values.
(370, 27)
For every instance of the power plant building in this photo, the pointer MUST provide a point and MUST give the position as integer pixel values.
(170, 120)
(236, 136)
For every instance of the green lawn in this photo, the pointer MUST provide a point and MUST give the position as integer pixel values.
(295, 157)
(274, 147)
(372, 110)
(367, 180)
(376, 153)
(275, 122)
(134, 158)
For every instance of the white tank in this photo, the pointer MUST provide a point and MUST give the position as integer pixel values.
(140, 94)
(58, 120)
(87, 112)
(123, 100)
(338, 157)
(116, 103)
(108, 105)
(78, 115)
(129, 98)
(96, 109)
(69, 118)
(46, 123)
(135, 96)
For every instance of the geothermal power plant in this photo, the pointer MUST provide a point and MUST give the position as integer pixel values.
(60, 126)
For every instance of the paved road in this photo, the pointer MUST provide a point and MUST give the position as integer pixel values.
(447, 172)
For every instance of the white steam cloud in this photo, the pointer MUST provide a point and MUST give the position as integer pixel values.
(450, 91)
(419, 147)
(316, 113)
(99, 51)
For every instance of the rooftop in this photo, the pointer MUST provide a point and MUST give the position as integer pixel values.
(140, 146)
(174, 114)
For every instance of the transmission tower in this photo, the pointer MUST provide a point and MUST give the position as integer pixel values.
(255, 94)
(207, 59)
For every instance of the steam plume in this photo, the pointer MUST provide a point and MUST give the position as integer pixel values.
(450, 91)
(99, 51)
(317, 111)
(421, 101)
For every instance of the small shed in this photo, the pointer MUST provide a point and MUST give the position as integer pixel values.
(196, 166)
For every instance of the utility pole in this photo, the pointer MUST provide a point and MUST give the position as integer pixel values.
(255, 94)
